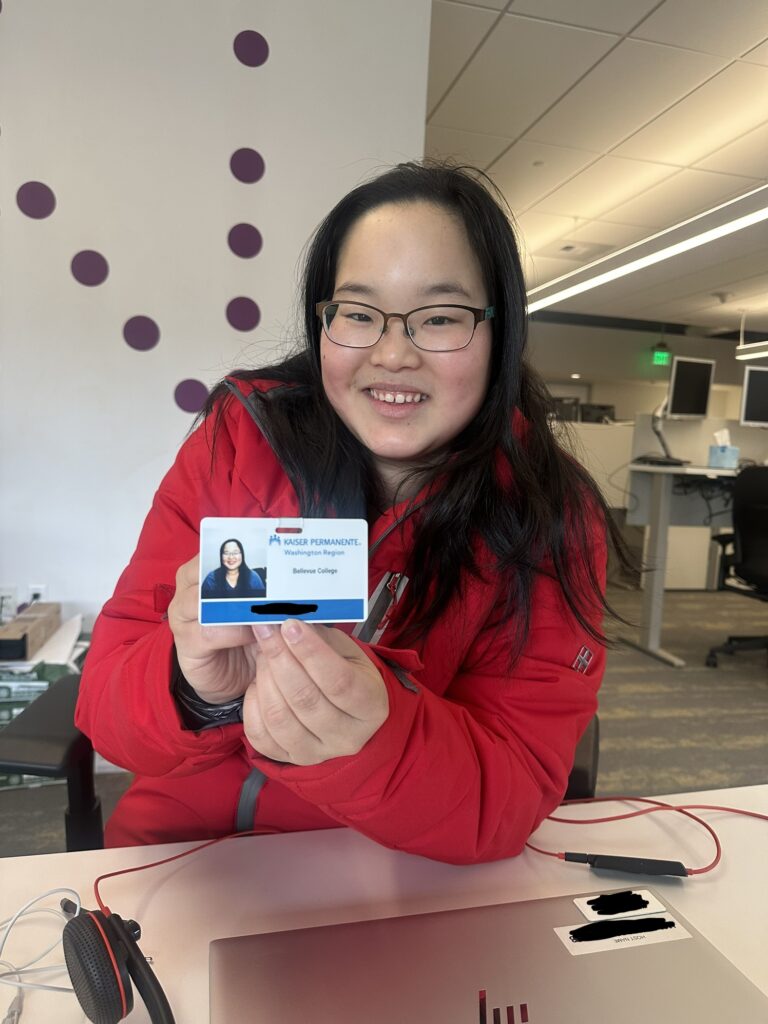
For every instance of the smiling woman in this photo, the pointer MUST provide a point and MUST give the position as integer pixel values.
(446, 724)
(406, 384)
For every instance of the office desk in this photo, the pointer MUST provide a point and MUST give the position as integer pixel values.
(659, 517)
(269, 883)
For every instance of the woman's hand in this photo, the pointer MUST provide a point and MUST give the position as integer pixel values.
(317, 696)
(218, 662)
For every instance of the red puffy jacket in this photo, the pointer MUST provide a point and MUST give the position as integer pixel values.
(471, 758)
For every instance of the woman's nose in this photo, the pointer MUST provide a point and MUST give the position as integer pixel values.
(395, 347)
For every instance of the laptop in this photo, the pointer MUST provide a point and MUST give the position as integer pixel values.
(621, 956)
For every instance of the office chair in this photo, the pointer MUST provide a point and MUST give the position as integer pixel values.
(582, 781)
(44, 741)
(744, 568)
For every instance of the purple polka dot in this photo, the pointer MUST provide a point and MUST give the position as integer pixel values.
(245, 240)
(251, 48)
(247, 165)
(141, 333)
(190, 395)
(89, 267)
(243, 314)
(36, 200)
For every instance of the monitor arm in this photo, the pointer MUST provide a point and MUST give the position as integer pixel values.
(656, 420)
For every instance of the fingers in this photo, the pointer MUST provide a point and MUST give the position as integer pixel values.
(183, 617)
(300, 654)
(184, 605)
(272, 726)
(312, 703)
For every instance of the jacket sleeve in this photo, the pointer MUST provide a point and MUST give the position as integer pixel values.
(125, 704)
(468, 776)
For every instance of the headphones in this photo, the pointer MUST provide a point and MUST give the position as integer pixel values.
(102, 955)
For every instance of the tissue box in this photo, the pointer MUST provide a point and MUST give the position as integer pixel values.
(723, 456)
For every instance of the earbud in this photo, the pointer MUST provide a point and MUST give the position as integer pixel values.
(102, 956)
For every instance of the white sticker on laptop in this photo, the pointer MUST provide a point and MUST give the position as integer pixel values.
(625, 903)
(621, 933)
(270, 570)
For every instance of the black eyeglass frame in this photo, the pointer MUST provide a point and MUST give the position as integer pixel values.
(479, 314)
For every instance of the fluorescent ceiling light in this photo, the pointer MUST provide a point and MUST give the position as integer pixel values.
(744, 211)
(757, 350)
(754, 350)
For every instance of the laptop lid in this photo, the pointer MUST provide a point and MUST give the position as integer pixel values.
(625, 956)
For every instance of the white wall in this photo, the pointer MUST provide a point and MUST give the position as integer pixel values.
(130, 113)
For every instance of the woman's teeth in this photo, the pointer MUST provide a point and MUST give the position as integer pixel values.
(397, 397)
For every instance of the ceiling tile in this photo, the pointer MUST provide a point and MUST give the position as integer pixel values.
(455, 32)
(522, 68)
(535, 230)
(603, 232)
(540, 269)
(630, 87)
(496, 5)
(684, 195)
(700, 308)
(727, 30)
(730, 104)
(727, 264)
(603, 186)
(469, 147)
(759, 55)
(614, 16)
(747, 155)
(530, 170)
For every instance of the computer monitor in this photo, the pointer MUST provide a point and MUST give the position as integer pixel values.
(689, 386)
(754, 397)
(566, 408)
(593, 413)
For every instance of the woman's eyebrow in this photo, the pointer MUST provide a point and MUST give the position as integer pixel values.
(428, 291)
(356, 288)
(446, 288)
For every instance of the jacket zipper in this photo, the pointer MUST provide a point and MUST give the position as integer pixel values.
(387, 594)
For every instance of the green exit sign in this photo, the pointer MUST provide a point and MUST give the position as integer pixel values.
(661, 357)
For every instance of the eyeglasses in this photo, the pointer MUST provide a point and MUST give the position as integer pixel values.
(430, 328)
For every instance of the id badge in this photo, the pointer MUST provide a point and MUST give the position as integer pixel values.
(270, 570)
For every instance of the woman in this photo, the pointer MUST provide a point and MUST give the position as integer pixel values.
(233, 578)
(446, 726)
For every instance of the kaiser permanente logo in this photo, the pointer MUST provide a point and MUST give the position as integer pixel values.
(274, 539)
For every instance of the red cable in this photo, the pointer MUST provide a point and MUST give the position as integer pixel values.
(176, 856)
(658, 805)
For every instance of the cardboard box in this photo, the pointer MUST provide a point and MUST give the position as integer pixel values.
(23, 636)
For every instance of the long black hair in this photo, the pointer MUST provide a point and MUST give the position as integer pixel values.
(512, 488)
(243, 566)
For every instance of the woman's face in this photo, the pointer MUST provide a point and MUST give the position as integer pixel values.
(398, 257)
(231, 558)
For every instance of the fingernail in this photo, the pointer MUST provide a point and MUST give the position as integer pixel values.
(291, 630)
(263, 632)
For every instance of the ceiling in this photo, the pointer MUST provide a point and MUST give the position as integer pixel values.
(606, 121)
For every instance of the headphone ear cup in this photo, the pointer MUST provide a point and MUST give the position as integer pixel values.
(105, 995)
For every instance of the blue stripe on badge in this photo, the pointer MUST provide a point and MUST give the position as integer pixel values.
(239, 612)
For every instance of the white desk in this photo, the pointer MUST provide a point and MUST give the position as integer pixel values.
(269, 883)
(659, 518)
